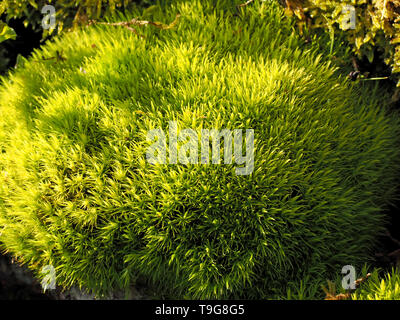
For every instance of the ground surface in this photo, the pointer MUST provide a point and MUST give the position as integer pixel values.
(18, 283)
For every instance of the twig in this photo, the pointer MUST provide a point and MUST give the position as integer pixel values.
(331, 291)
(245, 4)
(138, 23)
(355, 64)
(361, 280)
(387, 233)
(373, 79)
(59, 57)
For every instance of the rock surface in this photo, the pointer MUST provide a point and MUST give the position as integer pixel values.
(18, 283)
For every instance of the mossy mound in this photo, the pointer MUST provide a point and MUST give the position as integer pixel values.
(77, 193)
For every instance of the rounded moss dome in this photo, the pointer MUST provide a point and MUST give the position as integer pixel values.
(77, 190)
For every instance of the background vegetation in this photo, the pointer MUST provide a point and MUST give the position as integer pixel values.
(26, 18)
(68, 12)
(377, 29)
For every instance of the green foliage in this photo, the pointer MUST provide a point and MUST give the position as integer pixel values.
(306, 289)
(77, 192)
(6, 32)
(68, 12)
(380, 288)
(377, 27)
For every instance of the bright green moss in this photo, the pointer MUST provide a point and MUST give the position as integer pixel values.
(380, 288)
(77, 192)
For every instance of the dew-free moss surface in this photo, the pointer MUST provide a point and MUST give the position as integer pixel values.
(77, 193)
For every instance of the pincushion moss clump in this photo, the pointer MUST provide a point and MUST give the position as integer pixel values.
(77, 192)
